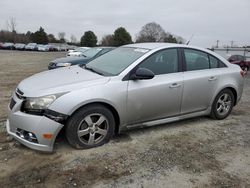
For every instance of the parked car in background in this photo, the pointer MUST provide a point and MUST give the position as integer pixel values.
(8, 46)
(1, 45)
(31, 46)
(131, 86)
(63, 48)
(44, 48)
(86, 57)
(19, 46)
(240, 60)
(53, 48)
(78, 51)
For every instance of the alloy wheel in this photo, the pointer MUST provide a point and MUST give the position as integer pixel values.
(224, 104)
(93, 129)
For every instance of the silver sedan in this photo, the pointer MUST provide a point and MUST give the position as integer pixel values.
(133, 85)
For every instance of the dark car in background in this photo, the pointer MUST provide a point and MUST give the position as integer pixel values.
(240, 60)
(87, 57)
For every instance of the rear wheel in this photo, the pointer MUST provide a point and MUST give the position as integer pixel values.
(223, 104)
(90, 127)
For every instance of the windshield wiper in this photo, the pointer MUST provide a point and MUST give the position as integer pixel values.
(93, 70)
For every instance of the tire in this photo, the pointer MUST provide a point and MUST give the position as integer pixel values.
(222, 105)
(90, 127)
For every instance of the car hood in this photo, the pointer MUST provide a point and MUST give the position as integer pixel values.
(60, 80)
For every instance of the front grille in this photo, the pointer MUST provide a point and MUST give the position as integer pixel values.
(52, 64)
(19, 91)
(12, 103)
(19, 94)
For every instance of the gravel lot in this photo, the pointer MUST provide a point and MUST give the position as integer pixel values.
(198, 152)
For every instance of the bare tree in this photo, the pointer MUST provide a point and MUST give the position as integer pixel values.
(151, 32)
(11, 24)
(73, 39)
(107, 40)
(61, 36)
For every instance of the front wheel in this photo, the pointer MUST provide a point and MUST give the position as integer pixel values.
(223, 104)
(90, 126)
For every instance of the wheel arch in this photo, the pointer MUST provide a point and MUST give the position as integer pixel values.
(233, 91)
(106, 105)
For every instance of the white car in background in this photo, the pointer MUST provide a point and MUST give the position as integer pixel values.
(78, 51)
(31, 46)
(19, 46)
(43, 48)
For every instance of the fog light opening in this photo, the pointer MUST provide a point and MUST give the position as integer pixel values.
(29, 136)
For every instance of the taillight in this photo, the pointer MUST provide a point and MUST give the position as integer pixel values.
(243, 73)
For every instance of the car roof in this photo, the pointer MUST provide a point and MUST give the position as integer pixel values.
(153, 45)
(156, 45)
(103, 47)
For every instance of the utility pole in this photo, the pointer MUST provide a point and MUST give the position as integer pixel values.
(232, 43)
(217, 44)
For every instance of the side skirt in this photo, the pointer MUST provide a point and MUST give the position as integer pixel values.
(165, 120)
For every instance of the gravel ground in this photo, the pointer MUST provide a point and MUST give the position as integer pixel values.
(198, 152)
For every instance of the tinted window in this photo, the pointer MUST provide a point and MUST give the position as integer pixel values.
(196, 60)
(241, 58)
(215, 63)
(233, 58)
(163, 62)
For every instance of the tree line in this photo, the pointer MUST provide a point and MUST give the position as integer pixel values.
(151, 32)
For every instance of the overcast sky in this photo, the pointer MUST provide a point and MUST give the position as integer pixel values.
(208, 20)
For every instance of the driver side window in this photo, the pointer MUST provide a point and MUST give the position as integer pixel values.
(162, 62)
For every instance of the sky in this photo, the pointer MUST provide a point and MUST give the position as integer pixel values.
(207, 20)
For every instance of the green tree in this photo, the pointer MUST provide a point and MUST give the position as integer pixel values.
(89, 39)
(39, 37)
(121, 37)
(52, 38)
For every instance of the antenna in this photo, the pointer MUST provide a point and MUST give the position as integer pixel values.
(190, 39)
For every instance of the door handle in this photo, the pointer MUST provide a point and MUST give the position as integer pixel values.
(212, 78)
(174, 85)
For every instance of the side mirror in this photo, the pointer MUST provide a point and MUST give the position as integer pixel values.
(142, 74)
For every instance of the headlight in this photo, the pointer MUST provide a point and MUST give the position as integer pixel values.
(63, 64)
(37, 105)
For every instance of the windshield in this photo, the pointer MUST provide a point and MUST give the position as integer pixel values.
(91, 52)
(117, 60)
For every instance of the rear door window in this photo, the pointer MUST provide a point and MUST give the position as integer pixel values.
(196, 60)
